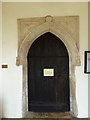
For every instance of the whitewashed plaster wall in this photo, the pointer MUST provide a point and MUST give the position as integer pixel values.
(0, 60)
(89, 50)
(12, 76)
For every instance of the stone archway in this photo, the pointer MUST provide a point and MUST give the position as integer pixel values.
(29, 30)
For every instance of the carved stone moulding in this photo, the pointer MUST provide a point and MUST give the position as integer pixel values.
(64, 27)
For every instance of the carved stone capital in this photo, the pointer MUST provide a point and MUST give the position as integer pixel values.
(17, 61)
(78, 61)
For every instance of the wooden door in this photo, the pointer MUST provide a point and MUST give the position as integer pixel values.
(48, 92)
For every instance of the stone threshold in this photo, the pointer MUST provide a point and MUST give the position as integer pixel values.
(45, 119)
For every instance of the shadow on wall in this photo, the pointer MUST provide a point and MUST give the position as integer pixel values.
(0, 108)
(0, 93)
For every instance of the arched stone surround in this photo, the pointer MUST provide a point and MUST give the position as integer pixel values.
(67, 29)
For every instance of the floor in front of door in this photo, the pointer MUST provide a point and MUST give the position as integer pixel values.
(45, 118)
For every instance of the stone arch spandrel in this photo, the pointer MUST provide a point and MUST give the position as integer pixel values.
(59, 32)
(48, 24)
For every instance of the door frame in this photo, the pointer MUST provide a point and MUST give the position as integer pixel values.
(48, 24)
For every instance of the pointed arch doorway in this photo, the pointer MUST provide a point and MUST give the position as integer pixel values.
(48, 75)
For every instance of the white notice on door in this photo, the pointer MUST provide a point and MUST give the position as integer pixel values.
(48, 72)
